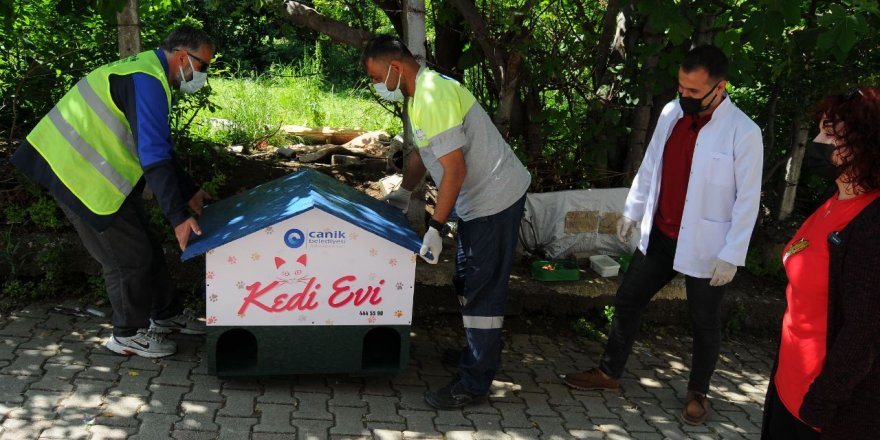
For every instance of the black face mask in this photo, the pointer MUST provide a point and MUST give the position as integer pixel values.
(818, 160)
(693, 105)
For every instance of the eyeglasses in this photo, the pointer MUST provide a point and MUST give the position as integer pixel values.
(204, 64)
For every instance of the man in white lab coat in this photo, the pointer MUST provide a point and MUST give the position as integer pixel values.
(695, 198)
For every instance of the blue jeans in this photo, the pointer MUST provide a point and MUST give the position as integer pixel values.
(647, 274)
(483, 262)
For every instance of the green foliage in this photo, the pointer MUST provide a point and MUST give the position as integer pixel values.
(584, 327)
(762, 263)
(593, 331)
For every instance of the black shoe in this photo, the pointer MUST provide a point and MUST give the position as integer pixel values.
(452, 357)
(452, 396)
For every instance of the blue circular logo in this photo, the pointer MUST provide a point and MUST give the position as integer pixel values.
(294, 238)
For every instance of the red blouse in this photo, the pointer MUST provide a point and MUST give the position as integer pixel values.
(805, 258)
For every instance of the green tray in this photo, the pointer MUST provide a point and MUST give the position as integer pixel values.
(562, 270)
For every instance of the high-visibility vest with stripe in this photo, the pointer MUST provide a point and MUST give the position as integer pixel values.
(87, 140)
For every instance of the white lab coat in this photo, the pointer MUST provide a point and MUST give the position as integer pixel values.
(723, 194)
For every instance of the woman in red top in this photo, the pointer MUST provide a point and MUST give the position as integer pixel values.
(826, 384)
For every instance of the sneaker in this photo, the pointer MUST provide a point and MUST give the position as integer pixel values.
(696, 408)
(452, 396)
(592, 379)
(185, 323)
(147, 344)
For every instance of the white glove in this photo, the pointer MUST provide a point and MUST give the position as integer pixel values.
(722, 273)
(433, 243)
(399, 198)
(625, 228)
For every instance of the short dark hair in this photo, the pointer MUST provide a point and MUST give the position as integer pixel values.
(385, 47)
(188, 37)
(708, 57)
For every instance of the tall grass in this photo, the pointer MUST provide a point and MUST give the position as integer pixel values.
(257, 104)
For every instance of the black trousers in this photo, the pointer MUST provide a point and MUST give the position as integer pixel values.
(135, 273)
(647, 274)
(781, 424)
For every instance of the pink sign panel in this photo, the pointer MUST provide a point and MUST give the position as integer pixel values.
(312, 269)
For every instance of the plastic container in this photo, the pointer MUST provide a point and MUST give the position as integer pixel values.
(604, 265)
(555, 270)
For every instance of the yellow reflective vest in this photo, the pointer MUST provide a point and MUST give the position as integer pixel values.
(87, 140)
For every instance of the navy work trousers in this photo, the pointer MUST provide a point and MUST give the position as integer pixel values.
(483, 262)
(647, 274)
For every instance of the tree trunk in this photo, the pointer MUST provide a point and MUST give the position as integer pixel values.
(129, 28)
(793, 168)
(414, 38)
(449, 40)
(639, 136)
(298, 13)
(414, 29)
(705, 31)
(610, 28)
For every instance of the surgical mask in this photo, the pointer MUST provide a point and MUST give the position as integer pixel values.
(197, 82)
(817, 159)
(693, 106)
(389, 95)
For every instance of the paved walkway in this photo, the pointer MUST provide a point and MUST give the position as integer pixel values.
(57, 381)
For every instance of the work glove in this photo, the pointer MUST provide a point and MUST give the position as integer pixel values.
(625, 228)
(722, 273)
(432, 243)
(399, 198)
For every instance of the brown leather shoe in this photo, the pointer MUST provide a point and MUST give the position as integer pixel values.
(592, 379)
(696, 408)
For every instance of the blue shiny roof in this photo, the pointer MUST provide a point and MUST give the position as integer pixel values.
(237, 216)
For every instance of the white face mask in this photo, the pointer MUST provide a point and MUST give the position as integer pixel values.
(388, 95)
(197, 82)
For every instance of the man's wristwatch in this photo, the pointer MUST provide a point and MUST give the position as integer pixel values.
(442, 228)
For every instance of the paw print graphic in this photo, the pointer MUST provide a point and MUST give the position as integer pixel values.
(371, 319)
(255, 257)
(353, 236)
(373, 252)
(399, 285)
(393, 262)
(269, 230)
(213, 297)
(212, 320)
(240, 284)
(232, 260)
(209, 275)
(398, 313)
(211, 252)
(328, 322)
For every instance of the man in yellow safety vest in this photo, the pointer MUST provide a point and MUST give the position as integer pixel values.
(94, 152)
